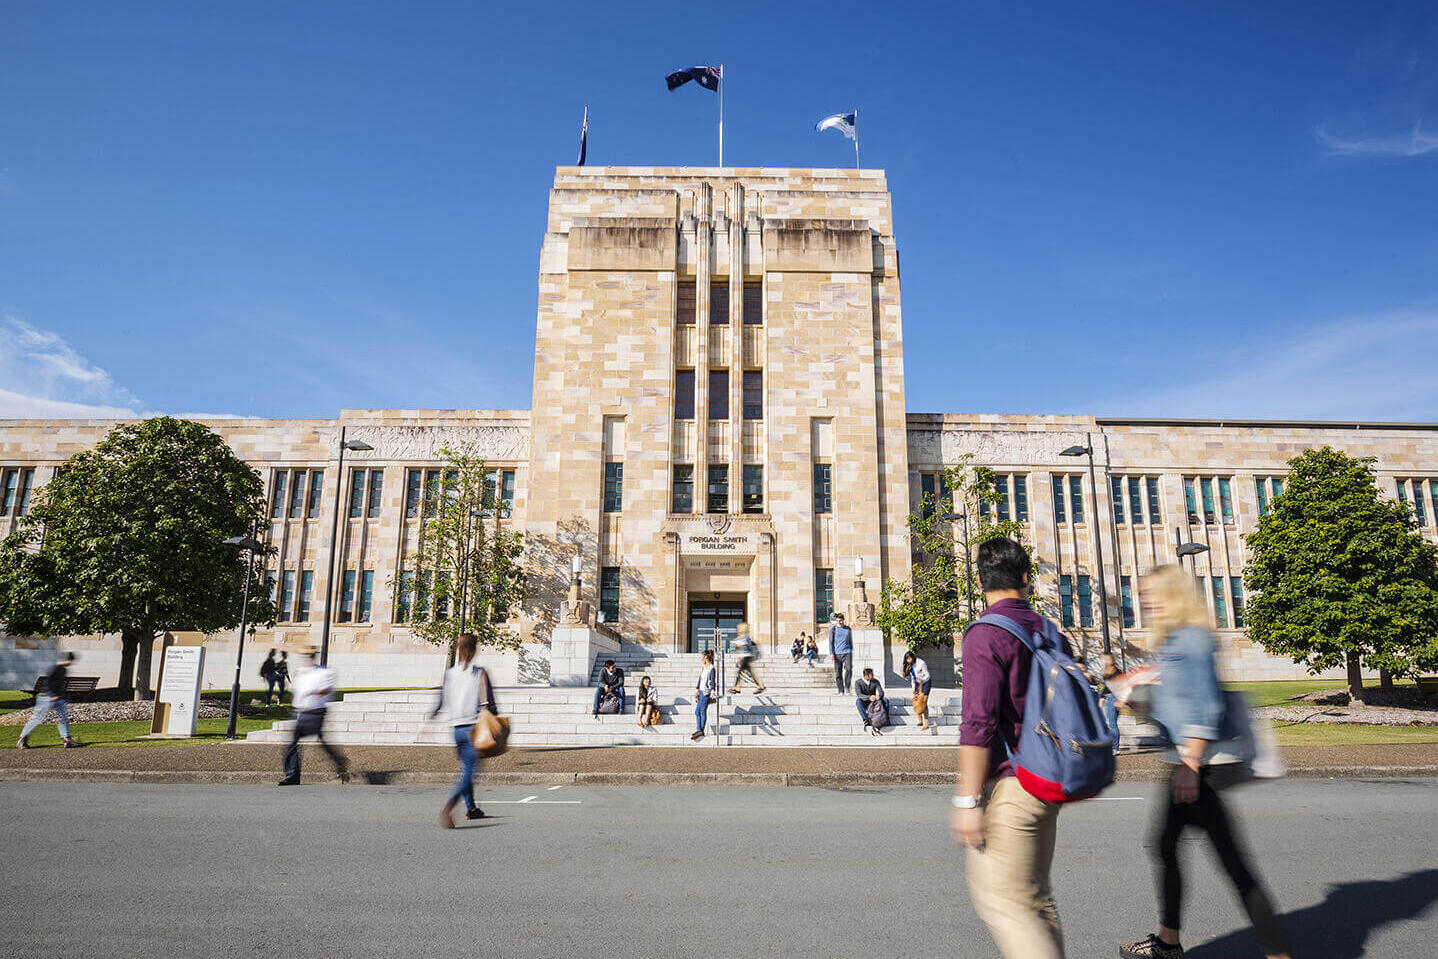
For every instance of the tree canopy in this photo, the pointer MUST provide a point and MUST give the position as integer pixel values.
(1339, 574)
(129, 537)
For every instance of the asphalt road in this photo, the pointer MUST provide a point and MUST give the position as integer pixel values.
(587, 871)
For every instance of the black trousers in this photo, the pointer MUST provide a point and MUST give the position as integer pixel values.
(746, 668)
(1209, 814)
(843, 670)
(310, 723)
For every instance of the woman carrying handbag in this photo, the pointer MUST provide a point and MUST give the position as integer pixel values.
(467, 691)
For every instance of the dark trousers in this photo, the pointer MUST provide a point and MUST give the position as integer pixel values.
(310, 723)
(270, 692)
(746, 668)
(468, 763)
(843, 670)
(1208, 814)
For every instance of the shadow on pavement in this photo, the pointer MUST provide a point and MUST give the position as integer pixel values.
(1339, 926)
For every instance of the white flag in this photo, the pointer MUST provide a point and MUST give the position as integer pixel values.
(845, 123)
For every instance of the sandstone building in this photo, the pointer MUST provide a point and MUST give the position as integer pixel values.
(718, 430)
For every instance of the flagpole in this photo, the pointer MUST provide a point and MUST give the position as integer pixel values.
(721, 116)
(856, 138)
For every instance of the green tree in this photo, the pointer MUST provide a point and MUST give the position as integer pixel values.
(1339, 574)
(129, 537)
(942, 593)
(466, 573)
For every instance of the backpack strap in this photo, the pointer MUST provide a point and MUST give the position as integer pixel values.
(1009, 626)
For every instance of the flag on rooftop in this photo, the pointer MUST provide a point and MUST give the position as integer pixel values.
(584, 138)
(708, 77)
(845, 123)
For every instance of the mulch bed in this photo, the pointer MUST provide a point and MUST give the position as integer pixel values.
(128, 711)
(1402, 706)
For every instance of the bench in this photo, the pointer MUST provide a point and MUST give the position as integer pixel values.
(73, 685)
(1427, 685)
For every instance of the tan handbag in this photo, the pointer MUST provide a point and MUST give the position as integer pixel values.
(490, 733)
(921, 703)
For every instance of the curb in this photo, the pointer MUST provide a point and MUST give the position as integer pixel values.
(830, 780)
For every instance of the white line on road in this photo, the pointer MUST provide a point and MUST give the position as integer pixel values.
(553, 788)
(1116, 799)
(531, 801)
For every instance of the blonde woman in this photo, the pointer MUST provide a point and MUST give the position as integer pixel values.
(748, 651)
(1189, 705)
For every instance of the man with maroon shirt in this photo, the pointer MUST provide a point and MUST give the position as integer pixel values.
(1009, 833)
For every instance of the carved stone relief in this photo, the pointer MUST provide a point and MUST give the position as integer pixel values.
(421, 443)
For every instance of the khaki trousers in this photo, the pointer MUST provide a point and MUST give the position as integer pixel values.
(1009, 879)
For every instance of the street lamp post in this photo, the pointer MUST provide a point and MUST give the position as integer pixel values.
(1087, 450)
(968, 559)
(1190, 549)
(357, 446)
(251, 546)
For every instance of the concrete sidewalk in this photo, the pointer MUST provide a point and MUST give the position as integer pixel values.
(243, 763)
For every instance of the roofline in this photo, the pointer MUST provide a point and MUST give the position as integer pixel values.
(1270, 424)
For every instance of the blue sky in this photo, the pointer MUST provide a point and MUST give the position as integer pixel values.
(283, 209)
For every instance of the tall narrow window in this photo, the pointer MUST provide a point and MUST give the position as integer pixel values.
(422, 594)
(753, 488)
(1066, 600)
(413, 489)
(1060, 513)
(1260, 486)
(287, 595)
(441, 595)
(718, 488)
(609, 593)
(1205, 486)
(12, 482)
(404, 597)
(1225, 499)
(1190, 503)
(1235, 584)
(1125, 595)
(27, 486)
(1001, 505)
(1155, 517)
(1116, 496)
(1076, 497)
(1085, 598)
(431, 493)
(718, 302)
(683, 394)
(753, 303)
(317, 482)
(376, 493)
(347, 596)
(683, 500)
(686, 303)
(823, 595)
(823, 488)
(1418, 503)
(506, 493)
(297, 495)
(357, 478)
(613, 487)
(1220, 603)
(753, 395)
(718, 394)
(1433, 498)
(366, 596)
(1135, 500)
(1021, 498)
(307, 589)
(928, 499)
(1277, 487)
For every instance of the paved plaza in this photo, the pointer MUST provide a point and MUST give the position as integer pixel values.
(119, 870)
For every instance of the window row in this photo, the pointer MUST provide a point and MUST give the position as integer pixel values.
(16, 482)
(1205, 486)
(716, 490)
(753, 306)
(299, 493)
(1266, 490)
(300, 502)
(422, 489)
(1225, 598)
(751, 396)
(1131, 496)
(1218, 594)
(1414, 489)
(1011, 488)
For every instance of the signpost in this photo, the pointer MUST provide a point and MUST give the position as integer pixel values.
(180, 688)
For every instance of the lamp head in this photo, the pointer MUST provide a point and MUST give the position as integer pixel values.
(576, 565)
(1076, 451)
(1191, 549)
(357, 446)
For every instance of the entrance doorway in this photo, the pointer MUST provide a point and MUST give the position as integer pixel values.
(706, 615)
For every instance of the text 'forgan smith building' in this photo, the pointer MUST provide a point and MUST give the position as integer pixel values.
(718, 430)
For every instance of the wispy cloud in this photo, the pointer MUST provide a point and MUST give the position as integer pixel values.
(43, 376)
(1364, 368)
(1416, 142)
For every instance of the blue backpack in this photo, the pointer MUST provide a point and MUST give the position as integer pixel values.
(1065, 749)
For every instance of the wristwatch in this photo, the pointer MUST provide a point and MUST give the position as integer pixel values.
(965, 802)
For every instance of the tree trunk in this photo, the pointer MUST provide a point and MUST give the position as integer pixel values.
(1355, 678)
(1385, 679)
(129, 643)
(142, 668)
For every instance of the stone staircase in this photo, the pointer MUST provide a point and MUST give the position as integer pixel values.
(674, 673)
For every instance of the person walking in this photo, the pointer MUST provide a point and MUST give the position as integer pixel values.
(841, 649)
(282, 676)
(1189, 706)
(646, 703)
(1107, 701)
(267, 672)
(1009, 833)
(918, 673)
(748, 651)
(314, 686)
(611, 684)
(868, 691)
(56, 699)
(466, 690)
(704, 691)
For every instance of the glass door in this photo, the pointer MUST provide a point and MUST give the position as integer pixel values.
(705, 616)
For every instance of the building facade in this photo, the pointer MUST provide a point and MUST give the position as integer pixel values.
(718, 432)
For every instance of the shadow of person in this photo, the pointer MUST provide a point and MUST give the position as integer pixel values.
(1339, 926)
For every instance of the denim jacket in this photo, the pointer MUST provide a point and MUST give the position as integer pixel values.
(1188, 702)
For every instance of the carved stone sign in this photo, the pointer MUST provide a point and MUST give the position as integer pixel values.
(730, 542)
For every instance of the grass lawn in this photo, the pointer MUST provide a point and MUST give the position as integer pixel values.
(1333, 734)
(1275, 692)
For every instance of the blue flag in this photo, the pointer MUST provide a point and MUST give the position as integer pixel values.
(708, 77)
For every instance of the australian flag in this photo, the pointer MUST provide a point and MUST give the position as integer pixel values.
(708, 77)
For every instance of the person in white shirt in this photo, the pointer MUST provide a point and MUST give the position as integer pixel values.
(918, 672)
(748, 651)
(704, 692)
(466, 690)
(311, 694)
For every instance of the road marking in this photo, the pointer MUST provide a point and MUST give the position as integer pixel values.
(531, 801)
(1116, 799)
(553, 788)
